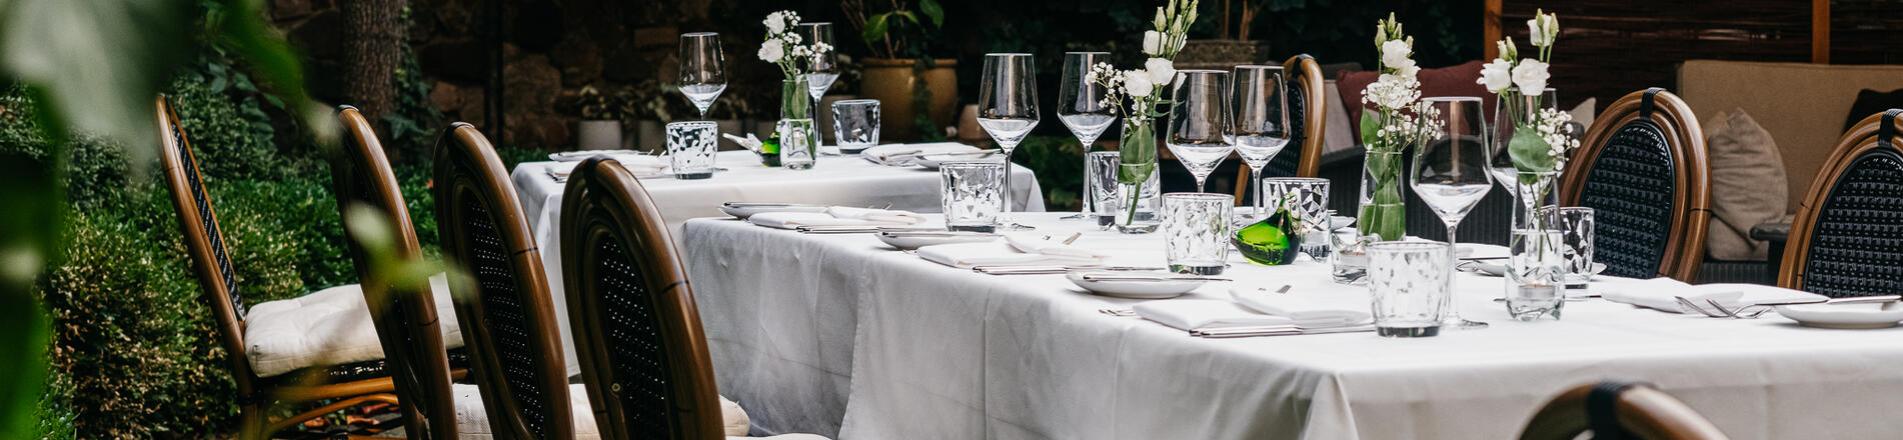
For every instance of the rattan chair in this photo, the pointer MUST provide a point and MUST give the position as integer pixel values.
(1615, 410)
(405, 316)
(1847, 239)
(505, 310)
(1642, 168)
(1308, 112)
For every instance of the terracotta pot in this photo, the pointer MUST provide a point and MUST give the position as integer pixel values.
(598, 134)
(891, 81)
(650, 135)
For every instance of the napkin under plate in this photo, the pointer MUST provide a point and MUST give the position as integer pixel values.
(1205, 314)
(1306, 309)
(904, 154)
(966, 255)
(1659, 293)
(792, 220)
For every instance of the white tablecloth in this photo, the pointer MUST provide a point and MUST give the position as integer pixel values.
(816, 332)
(835, 180)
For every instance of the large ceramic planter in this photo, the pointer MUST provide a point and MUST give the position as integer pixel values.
(823, 117)
(891, 81)
(598, 134)
(650, 134)
(1222, 54)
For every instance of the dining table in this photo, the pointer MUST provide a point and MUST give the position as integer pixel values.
(834, 180)
(843, 335)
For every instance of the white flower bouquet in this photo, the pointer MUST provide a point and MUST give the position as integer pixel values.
(1135, 95)
(1392, 119)
(1541, 141)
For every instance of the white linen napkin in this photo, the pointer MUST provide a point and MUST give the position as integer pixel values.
(640, 165)
(1204, 314)
(966, 255)
(1033, 244)
(904, 154)
(1659, 293)
(876, 215)
(793, 219)
(1311, 310)
(578, 155)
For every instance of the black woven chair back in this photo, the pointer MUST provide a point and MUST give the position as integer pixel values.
(204, 241)
(404, 315)
(1853, 244)
(504, 307)
(1287, 162)
(637, 331)
(1642, 169)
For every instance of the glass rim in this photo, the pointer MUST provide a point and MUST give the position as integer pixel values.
(1087, 52)
(1187, 72)
(1199, 196)
(700, 34)
(1451, 99)
(855, 101)
(816, 23)
(1258, 67)
(1007, 55)
(692, 124)
(1105, 153)
(971, 164)
(1294, 179)
(1409, 246)
(1585, 209)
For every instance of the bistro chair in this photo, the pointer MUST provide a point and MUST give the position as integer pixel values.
(1618, 410)
(405, 317)
(1303, 156)
(637, 332)
(1642, 169)
(507, 315)
(1847, 239)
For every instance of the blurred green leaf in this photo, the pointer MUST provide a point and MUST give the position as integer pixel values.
(875, 29)
(102, 61)
(933, 11)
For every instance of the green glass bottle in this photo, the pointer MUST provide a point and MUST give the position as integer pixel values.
(1274, 241)
(770, 150)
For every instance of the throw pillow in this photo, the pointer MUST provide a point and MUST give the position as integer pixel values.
(1747, 185)
(1870, 102)
(1456, 80)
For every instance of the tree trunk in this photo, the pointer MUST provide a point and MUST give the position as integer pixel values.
(373, 43)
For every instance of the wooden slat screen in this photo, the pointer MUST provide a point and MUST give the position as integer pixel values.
(1866, 32)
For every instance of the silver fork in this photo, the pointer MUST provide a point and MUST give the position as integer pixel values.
(1686, 304)
(1120, 313)
(1755, 310)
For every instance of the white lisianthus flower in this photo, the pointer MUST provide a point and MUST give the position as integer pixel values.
(775, 23)
(1138, 83)
(1497, 75)
(1152, 43)
(1409, 71)
(1161, 70)
(1542, 28)
(1530, 76)
(1395, 53)
(1533, 33)
(772, 52)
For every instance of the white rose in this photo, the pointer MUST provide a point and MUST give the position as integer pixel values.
(1534, 33)
(1530, 76)
(1394, 53)
(775, 23)
(772, 52)
(1152, 43)
(1138, 83)
(1161, 70)
(1497, 75)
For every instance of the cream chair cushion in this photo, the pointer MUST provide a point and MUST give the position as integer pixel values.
(1747, 185)
(472, 420)
(328, 327)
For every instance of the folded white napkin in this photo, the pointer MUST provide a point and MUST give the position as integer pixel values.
(1204, 314)
(1311, 310)
(966, 255)
(902, 154)
(1660, 293)
(578, 155)
(1035, 244)
(876, 215)
(794, 219)
(637, 164)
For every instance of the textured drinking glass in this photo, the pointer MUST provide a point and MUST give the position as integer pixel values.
(1310, 197)
(1007, 107)
(690, 148)
(1261, 116)
(1081, 107)
(703, 72)
(1451, 170)
(1196, 228)
(1100, 175)
(970, 195)
(796, 143)
(1200, 130)
(856, 124)
(1575, 225)
(1409, 281)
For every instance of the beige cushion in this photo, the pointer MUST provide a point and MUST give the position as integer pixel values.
(472, 420)
(1747, 185)
(328, 327)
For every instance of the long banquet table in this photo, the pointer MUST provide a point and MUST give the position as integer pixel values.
(841, 334)
(834, 180)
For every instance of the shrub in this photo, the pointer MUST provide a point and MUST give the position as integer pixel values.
(231, 139)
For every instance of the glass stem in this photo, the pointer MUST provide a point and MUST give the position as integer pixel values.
(1255, 183)
(1453, 253)
(1085, 203)
(1004, 216)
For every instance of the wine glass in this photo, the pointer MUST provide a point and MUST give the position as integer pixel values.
(1502, 165)
(1199, 122)
(1080, 106)
(824, 69)
(1452, 170)
(1262, 122)
(1007, 109)
(703, 69)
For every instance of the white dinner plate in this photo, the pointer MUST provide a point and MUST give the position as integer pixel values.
(905, 241)
(741, 210)
(1134, 289)
(1844, 316)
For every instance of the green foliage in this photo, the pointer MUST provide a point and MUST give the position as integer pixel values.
(899, 31)
(412, 125)
(232, 140)
(1059, 164)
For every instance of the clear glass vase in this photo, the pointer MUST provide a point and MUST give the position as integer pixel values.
(1138, 183)
(1534, 287)
(1383, 207)
(798, 141)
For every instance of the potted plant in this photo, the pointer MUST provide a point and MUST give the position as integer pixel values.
(601, 115)
(899, 33)
(1232, 46)
(651, 107)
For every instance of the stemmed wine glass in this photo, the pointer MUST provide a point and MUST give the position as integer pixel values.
(703, 69)
(1199, 122)
(1452, 171)
(1080, 105)
(824, 69)
(1502, 166)
(1262, 121)
(1007, 109)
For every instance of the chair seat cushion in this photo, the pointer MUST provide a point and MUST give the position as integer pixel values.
(472, 420)
(330, 327)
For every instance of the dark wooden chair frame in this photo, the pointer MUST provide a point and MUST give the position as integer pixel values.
(1306, 74)
(468, 173)
(1861, 139)
(405, 316)
(1642, 411)
(605, 204)
(1691, 203)
(258, 397)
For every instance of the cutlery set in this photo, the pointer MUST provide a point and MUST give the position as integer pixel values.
(1718, 310)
